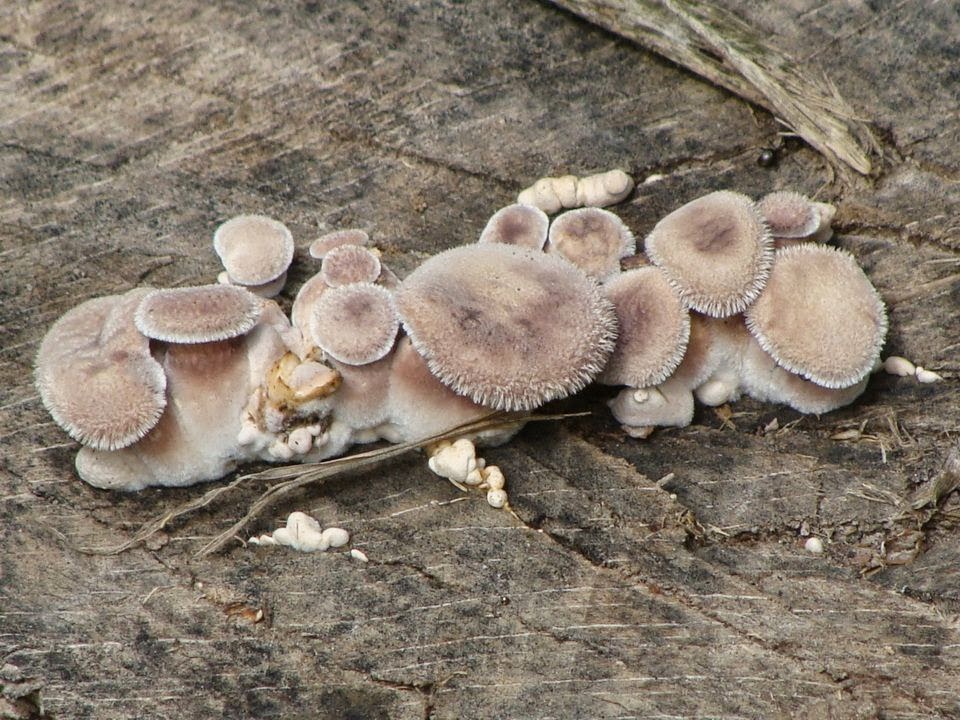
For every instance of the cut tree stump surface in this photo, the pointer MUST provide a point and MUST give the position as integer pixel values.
(129, 130)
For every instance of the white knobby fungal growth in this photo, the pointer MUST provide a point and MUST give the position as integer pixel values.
(814, 546)
(458, 463)
(552, 194)
(304, 534)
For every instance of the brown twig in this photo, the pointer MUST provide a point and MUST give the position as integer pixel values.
(296, 476)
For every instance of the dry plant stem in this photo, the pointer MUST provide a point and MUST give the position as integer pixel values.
(721, 48)
(306, 474)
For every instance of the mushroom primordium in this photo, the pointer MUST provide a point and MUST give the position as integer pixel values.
(177, 386)
(551, 194)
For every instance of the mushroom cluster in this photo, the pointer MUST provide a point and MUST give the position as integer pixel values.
(741, 298)
(727, 296)
(172, 387)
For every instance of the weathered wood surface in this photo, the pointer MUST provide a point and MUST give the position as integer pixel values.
(128, 130)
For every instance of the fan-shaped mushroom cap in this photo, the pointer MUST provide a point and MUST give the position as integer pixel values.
(204, 313)
(716, 250)
(419, 404)
(764, 380)
(96, 376)
(592, 239)
(819, 316)
(355, 324)
(523, 225)
(507, 326)
(348, 264)
(654, 328)
(254, 249)
(196, 438)
(793, 216)
(325, 243)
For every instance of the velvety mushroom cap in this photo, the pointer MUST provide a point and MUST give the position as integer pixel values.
(205, 313)
(789, 214)
(507, 326)
(348, 264)
(654, 328)
(592, 239)
(716, 250)
(254, 249)
(819, 316)
(325, 243)
(96, 376)
(523, 225)
(355, 324)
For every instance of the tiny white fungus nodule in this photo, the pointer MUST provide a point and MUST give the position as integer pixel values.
(814, 546)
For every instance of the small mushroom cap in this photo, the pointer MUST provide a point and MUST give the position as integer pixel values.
(348, 264)
(592, 239)
(792, 215)
(325, 243)
(254, 249)
(523, 225)
(96, 376)
(819, 316)
(507, 326)
(716, 250)
(355, 324)
(205, 313)
(654, 328)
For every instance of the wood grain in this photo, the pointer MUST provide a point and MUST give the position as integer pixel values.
(129, 130)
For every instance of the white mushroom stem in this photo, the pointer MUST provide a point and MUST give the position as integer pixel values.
(551, 194)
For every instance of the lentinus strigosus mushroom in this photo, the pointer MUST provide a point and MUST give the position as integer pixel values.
(160, 386)
(256, 252)
(806, 330)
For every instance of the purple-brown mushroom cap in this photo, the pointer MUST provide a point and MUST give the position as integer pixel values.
(96, 376)
(593, 239)
(523, 225)
(507, 326)
(716, 250)
(355, 324)
(793, 216)
(348, 264)
(819, 316)
(654, 328)
(254, 249)
(205, 313)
